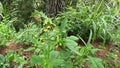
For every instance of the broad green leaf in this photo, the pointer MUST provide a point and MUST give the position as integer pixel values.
(72, 45)
(54, 54)
(65, 54)
(73, 38)
(96, 62)
(36, 59)
(54, 58)
(56, 62)
(68, 65)
(2, 59)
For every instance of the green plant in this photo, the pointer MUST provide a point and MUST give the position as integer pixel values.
(3, 62)
(95, 62)
(20, 60)
(6, 33)
(46, 43)
(52, 38)
(59, 38)
(85, 18)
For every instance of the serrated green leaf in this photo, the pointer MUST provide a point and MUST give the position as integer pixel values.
(96, 62)
(54, 54)
(72, 45)
(68, 65)
(36, 59)
(56, 62)
(54, 59)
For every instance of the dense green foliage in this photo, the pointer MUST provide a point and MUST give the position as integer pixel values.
(54, 42)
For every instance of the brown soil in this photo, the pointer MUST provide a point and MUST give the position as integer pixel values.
(16, 47)
(12, 46)
(3, 50)
(118, 54)
(103, 52)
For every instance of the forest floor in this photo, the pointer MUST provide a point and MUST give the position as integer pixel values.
(102, 53)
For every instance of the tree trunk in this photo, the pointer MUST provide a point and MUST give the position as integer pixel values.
(54, 7)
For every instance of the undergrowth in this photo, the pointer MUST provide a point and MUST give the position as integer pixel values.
(54, 42)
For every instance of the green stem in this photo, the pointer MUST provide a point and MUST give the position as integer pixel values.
(48, 57)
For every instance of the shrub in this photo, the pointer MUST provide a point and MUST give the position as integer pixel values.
(95, 18)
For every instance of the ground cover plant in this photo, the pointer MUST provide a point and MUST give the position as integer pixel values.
(60, 34)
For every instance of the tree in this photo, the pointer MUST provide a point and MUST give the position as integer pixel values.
(1, 11)
(54, 7)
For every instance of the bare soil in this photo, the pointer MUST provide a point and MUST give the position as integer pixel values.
(16, 47)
